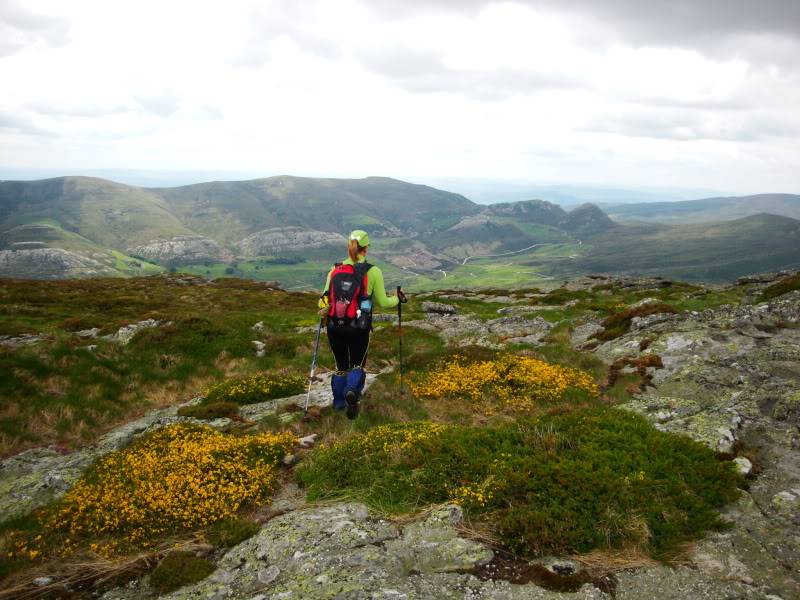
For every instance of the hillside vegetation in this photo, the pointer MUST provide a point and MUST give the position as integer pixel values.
(291, 229)
(709, 210)
(529, 424)
(471, 409)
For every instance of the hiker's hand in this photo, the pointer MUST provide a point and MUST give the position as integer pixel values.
(402, 296)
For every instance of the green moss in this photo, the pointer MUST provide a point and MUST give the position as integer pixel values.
(784, 286)
(562, 295)
(560, 484)
(282, 345)
(230, 532)
(178, 569)
(619, 324)
(212, 410)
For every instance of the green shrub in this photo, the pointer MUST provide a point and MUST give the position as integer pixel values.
(257, 388)
(784, 286)
(178, 569)
(226, 533)
(211, 410)
(560, 484)
(281, 345)
(562, 295)
(620, 323)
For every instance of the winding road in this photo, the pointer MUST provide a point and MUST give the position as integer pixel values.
(509, 253)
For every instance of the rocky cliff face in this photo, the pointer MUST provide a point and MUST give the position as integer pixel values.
(280, 240)
(50, 263)
(181, 250)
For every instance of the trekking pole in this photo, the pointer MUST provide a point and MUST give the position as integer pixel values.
(313, 367)
(400, 336)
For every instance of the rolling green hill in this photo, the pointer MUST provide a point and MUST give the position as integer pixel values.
(709, 209)
(703, 252)
(107, 213)
(229, 210)
(291, 228)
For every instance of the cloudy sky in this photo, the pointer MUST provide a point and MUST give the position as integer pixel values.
(620, 92)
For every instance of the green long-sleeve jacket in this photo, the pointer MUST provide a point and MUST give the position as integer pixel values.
(375, 287)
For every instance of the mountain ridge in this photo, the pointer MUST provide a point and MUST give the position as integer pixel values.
(419, 232)
(719, 208)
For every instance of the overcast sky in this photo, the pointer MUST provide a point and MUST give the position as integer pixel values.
(621, 92)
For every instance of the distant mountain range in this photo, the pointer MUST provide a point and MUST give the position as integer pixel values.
(79, 226)
(708, 210)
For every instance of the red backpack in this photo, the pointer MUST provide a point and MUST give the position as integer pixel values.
(347, 287)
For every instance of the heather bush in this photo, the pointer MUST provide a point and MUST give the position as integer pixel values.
(559, 484)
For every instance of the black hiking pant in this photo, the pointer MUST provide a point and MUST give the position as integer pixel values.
(349, 347)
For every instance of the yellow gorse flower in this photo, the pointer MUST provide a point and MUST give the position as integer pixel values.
(179, 478)
(257, 388)
(510, 383)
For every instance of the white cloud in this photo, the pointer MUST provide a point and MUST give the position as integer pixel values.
(525, 90)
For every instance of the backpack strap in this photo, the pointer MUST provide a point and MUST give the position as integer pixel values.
(361, 270)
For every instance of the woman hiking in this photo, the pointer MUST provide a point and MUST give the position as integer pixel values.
(350, 290)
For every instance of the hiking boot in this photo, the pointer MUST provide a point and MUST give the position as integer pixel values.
(352, 404)
(338, 383)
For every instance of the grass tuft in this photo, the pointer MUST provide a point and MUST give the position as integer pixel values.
(212, 410)
(619, 324)
(784, 286)
(227, 533)
(178, 569)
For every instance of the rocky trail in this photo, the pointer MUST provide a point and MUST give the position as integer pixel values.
(728, 377)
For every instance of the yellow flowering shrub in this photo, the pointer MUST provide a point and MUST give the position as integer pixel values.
(387, 438)
(179, 478)
(510, 383)
(474, 495)
(257, 388)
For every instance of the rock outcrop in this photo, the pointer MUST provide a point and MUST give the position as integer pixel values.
(125, 334)
(343, 551)
(181, 250)
(280, 240)
(465, 330)
(51, 263)
(731, 379)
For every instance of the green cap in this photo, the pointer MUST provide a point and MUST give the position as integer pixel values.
(362, 237)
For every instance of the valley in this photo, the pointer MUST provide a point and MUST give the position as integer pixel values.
(291, 229)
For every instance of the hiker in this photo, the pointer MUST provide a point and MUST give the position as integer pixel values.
(350, 290)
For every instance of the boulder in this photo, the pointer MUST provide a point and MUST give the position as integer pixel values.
(125, 334)
(88, 333)
(344, 551)
(583, 332)
(438, 308)
(519, 327)
(19, 341)
(743, 465)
